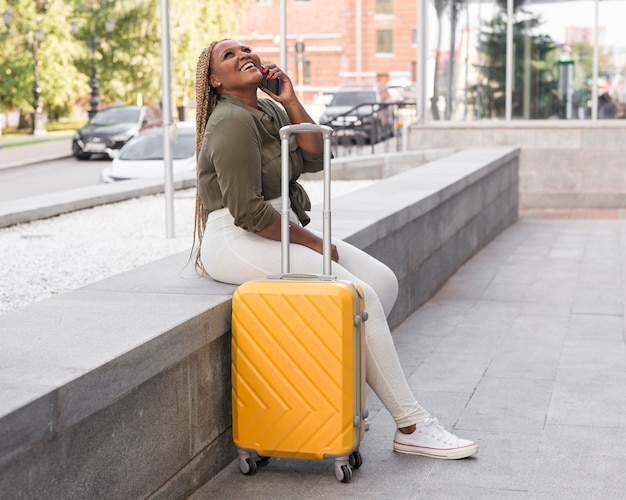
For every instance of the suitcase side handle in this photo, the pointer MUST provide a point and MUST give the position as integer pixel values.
(285, 132)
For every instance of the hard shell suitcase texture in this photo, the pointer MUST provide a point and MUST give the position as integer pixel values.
(298, 356)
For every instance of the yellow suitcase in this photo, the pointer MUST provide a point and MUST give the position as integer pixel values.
(298, 358)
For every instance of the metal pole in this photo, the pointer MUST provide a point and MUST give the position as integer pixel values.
(480, 58)
(421, 42)
(594, 86)
(95, 86)
(283, 35)
(359, 51)
(36, 88)
(508, 99)
(421, 48)
(168, 129)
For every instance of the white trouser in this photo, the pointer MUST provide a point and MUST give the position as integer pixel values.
(232, 255)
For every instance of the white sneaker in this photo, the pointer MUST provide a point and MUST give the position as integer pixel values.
(431, 440)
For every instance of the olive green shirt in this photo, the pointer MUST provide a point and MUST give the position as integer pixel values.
(239, 164)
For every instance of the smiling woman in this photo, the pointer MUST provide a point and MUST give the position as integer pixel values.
(238, 225)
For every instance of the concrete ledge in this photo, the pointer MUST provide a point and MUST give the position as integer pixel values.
(563, 163)
(121, 388)
(49, 205)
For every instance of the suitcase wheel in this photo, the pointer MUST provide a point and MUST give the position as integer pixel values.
(343, 473)
(355, 460)
(247, 466)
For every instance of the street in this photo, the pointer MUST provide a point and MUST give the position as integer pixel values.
(49, 177)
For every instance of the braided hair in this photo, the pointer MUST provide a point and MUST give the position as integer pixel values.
(206, 100)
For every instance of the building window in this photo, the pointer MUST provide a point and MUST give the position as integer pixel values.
(413, 37)
(384, 41)
(384, 6)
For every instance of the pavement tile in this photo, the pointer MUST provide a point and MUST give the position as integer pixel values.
(508, 404)
(580, 463)
(598, 402)
(505, 462)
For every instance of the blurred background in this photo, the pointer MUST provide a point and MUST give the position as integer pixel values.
(62, 60)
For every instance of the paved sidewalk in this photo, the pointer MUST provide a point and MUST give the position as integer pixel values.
(54, 146)
(523, 351)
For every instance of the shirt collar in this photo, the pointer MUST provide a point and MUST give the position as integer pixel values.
(257, 113)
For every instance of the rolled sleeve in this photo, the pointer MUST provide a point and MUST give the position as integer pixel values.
(234, 148)
(312, 163)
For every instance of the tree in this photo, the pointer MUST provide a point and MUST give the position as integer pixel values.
(58, 78)
(456, 6)
(128, 60)
(535, 65)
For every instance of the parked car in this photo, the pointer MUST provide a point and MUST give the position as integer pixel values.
(402, 90)
(362, 113)
(111, 128)
(142, 156)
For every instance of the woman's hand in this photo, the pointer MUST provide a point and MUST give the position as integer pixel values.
(311, 143)
(300, 236)
(287, 93)
(318, 246)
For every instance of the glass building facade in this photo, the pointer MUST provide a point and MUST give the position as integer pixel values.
(523, 60)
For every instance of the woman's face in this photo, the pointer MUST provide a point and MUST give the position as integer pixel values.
(234, 67)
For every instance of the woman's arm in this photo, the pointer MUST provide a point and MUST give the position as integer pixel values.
(298, 235)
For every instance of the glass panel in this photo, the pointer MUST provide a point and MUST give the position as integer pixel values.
(384, 41)
(463, 76)
(612, 60)
(552, 66)
(384, 6)
(554, 78)
(114, 116)
(150, 147)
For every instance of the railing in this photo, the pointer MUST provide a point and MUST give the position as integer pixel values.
(370, 128)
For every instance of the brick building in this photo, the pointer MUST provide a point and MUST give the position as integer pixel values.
(327, 31)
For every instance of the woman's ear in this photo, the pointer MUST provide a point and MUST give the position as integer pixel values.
(214, 82)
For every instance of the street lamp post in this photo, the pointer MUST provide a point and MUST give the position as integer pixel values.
(94, 102)
(34, 38)
(7, 16)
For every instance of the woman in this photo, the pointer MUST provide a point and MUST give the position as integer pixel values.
(237, 229)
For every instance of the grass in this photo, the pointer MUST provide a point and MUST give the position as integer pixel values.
(24, 137)
(25, 142)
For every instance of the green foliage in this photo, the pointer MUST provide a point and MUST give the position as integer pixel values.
(128, 61)
(59, 79)
(535, 65)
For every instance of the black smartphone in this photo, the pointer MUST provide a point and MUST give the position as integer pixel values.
(273, 86)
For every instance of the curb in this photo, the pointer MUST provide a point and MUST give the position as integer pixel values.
(53, 204)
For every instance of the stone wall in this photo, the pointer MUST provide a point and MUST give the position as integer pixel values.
(563, 164)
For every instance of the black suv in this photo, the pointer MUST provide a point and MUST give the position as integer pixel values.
(361, 114)
(111, 128)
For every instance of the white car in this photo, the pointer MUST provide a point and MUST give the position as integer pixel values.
(142, 156)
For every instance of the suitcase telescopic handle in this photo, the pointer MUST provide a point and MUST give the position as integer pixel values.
(285, 132)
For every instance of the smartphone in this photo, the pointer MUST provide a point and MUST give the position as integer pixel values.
(273, 86)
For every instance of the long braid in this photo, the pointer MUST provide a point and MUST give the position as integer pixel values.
(206, 100)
